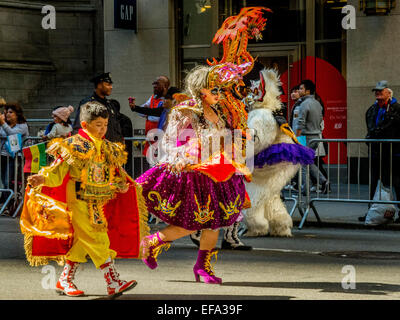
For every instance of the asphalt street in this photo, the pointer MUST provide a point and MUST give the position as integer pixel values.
(315, 264)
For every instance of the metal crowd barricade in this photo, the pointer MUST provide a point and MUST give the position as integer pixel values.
(137, 154)
(17, 193)
(8, 164)
(345, 197)
(288, 195)
(37, 125)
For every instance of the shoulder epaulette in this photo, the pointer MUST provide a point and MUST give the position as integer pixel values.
(75, 150)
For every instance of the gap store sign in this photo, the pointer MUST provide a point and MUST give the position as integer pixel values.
(125, 14)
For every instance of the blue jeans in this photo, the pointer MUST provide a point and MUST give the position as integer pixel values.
(315, 173)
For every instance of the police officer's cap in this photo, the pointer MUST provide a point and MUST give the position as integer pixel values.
(104, 77)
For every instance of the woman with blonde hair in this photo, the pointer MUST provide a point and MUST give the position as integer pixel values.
(185, 190)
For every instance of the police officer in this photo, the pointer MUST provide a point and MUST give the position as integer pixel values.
(103, 88)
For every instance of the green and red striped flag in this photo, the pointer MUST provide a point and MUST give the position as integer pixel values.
(35, 157)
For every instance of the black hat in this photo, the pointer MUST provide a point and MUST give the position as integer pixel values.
(104, 77)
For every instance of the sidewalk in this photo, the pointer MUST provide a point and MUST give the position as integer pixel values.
(338, 214)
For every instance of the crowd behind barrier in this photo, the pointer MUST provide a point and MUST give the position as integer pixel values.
(346, 179)
(14, 187)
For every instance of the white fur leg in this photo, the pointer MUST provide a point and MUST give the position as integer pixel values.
(256, 223)
(280, 222)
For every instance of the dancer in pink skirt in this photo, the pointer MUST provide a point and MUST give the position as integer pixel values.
(186, 189)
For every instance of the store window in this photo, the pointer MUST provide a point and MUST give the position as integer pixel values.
(286, 23)
(330, 36)
(328, 19)
(198, 20)
(197, 24)
(286, 27)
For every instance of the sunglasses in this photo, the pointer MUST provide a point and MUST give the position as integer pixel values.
(215, 91)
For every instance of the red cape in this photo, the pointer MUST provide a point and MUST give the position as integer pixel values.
(127, 224)
(126, 216)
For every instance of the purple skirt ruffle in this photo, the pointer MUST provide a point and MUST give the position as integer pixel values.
(192, 200)
(284, 152)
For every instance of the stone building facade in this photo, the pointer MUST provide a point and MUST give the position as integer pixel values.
(42, 68)
(371, 57)
(135, 59)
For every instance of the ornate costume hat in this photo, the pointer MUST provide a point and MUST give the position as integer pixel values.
(236, 61)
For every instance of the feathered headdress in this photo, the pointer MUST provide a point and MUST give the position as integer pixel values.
(234, 35)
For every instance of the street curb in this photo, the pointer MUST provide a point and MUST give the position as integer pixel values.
(324, 224)
(314, 224)
(346, 225)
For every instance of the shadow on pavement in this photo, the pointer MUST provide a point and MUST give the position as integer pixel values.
(361, 287)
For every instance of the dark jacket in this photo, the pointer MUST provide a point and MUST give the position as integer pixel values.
(387, 127)
(114, 132)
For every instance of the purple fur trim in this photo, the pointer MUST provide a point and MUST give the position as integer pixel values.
(284, 152)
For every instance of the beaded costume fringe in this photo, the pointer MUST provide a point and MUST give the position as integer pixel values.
(36, 261)
(144, 229)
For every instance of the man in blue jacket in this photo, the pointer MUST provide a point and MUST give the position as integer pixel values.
(383, 122)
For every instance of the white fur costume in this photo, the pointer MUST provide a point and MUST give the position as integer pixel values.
(268, 214)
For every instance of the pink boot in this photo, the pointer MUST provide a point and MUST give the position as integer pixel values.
(115, 286)
(152, 246)
(203, 267)
(65, 284)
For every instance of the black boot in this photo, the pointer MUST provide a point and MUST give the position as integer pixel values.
(231, 240)
(195, 237)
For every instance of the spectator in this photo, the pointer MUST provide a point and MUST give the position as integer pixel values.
(284, 104)
(127, 131)
(293, 122)
(103, 88)
(12, 121)
(309, 125)
(160, 88)
(322, 148)
(294, 117)
(162, 109)
(51, 124)
(61, 126)
(383, 122)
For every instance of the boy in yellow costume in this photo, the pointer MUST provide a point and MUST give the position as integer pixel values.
(88, 169)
